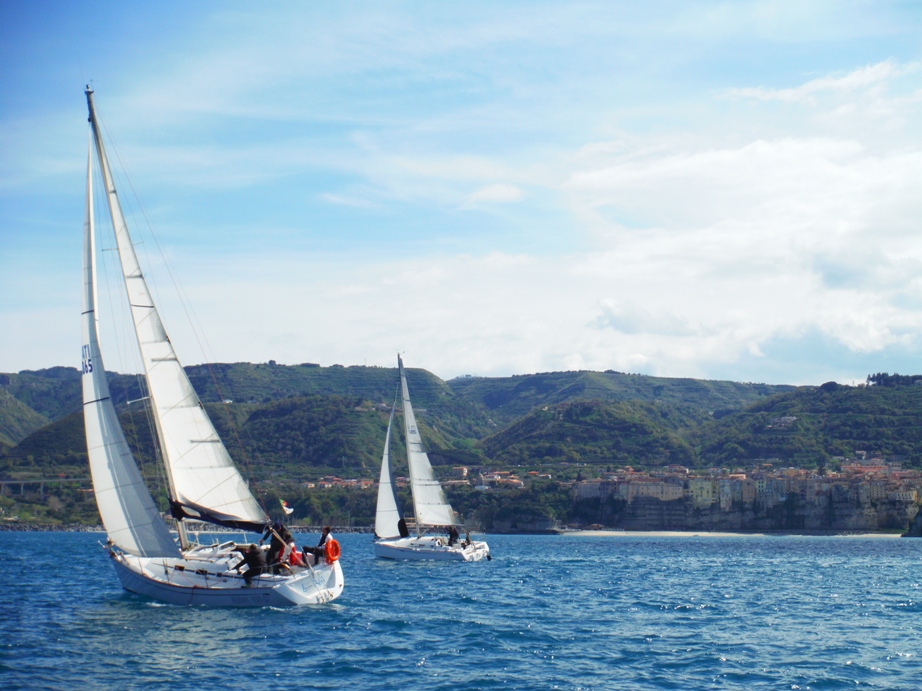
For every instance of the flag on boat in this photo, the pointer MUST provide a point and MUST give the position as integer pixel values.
(288, 511)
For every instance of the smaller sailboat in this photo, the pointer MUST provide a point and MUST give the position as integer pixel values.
(204, 484)
(430, 505)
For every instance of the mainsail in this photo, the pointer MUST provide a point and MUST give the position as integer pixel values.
(204, 482)
(127, 510)
(429, 501)
(387, 516)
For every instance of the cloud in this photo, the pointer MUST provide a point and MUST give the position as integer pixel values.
(344, 200)
(862, 78)
(499, 193)
(634, 319)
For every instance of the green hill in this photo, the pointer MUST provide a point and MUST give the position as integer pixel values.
(290, 425)
(55, 393)
(52, 393)
(298, 422)
(811, 425)
(626, 432)
(509, 398)
(17, 420)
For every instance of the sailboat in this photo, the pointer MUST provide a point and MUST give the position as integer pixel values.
(203, 482)
(430, 505)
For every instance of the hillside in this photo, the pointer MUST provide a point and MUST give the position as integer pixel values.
(262, 383)
(55, 393)
(623, 433)
(509, 398)
(810, 426)
(287, 425)
(17, 420)
(298, 422)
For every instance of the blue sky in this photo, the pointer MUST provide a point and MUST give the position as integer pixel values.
(703, 189)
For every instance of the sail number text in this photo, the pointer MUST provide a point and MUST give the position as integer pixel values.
(87, 364)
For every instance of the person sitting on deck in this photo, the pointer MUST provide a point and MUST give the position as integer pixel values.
(255, 561)
(318, 551)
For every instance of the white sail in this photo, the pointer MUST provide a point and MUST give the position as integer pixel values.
(429, 501)
(204, 481)
(387, 514)
(127, 510)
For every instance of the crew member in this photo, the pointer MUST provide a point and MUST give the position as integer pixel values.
(255, 561)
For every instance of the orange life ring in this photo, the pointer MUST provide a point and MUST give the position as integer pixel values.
(331, 551)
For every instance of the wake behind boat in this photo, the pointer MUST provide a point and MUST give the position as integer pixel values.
(430, 505)
(204, 484)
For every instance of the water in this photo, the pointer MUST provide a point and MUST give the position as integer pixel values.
(548, 612)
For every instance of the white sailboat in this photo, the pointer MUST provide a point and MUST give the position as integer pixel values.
(430, 505)
(204, 484)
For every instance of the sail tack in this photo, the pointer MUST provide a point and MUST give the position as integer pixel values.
(429, 501)
(125, 505)
(204, 482)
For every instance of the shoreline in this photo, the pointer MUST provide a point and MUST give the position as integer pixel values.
(77, 528)
(704, 533)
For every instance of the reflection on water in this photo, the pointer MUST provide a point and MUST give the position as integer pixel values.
(571, 612)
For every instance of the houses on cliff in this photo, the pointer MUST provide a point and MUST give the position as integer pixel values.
(862, 495)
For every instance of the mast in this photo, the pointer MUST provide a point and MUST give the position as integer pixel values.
(204, 483)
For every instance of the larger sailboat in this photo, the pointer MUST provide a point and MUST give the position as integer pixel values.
(430, 505)
(204, 484)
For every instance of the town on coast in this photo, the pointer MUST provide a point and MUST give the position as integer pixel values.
(864, 495)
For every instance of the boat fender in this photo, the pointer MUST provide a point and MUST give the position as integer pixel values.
(331, 551)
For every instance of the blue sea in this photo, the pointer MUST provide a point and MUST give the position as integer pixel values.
(549, 612)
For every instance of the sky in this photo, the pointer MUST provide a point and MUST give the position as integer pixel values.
(718, 190)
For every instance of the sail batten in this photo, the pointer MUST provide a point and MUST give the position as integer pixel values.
(179, 417)
(429, 501)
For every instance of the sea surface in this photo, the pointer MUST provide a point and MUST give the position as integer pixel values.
(549, 612)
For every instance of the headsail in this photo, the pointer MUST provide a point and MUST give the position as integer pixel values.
(387, 515)
(127, 510)
(429, 500)
(204, 482)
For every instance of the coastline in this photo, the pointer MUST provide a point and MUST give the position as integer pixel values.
(702, 533)
(77, 528)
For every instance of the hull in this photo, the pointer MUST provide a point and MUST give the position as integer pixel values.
(209, 583)
(428, 548)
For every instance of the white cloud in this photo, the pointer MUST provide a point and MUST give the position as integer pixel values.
(861, 78)
(343, 200)
(633, 319)
(500, 193)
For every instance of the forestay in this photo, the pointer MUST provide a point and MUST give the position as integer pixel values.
(429, 501)
(204, 481)
(127, 510)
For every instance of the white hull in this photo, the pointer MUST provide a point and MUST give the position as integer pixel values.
(208, 581)
(430, 548)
